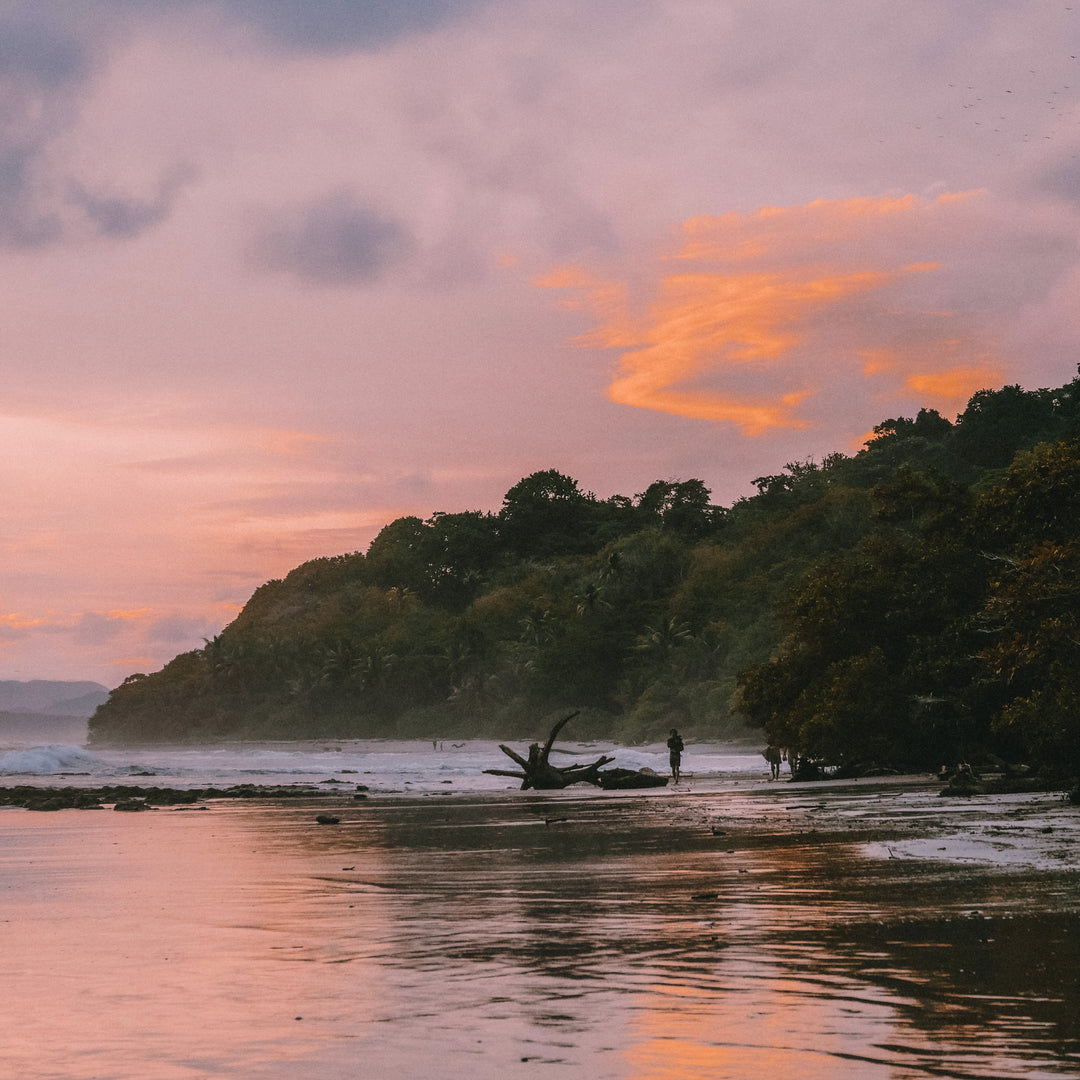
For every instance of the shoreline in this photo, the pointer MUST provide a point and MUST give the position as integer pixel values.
(693, 785)
(125, 796)
(895, 817)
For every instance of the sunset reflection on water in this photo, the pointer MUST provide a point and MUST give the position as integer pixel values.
(518, 937)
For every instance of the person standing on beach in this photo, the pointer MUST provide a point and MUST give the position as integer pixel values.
(773, 755)
(675, 749)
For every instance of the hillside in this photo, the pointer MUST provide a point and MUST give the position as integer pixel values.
(867, 606)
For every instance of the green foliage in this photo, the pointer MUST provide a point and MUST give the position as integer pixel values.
(545, 515)
(1030, 618)
(908, 605)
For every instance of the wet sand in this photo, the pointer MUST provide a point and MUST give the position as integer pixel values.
(869, 930)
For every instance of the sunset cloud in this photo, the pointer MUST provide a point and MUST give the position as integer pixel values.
(954, 386)
(14, 620)
(763, 302)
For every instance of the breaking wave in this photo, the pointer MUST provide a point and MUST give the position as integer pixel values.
(53, 760)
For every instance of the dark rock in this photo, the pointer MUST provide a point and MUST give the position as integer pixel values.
(132, 805)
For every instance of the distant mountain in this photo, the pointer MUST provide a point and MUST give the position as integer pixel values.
(19, 729)
(52, 698)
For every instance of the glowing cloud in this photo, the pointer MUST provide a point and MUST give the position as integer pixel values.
(128, 615)
(705, 321)
(773, 297)
(16, 621)
(956, 385)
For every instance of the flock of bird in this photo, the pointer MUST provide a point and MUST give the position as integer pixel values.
(1007, 111)
(1027, 105)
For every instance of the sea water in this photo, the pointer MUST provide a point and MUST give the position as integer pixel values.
(388, 766)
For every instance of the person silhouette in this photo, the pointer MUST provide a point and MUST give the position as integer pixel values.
(675, 749)
(773, 756)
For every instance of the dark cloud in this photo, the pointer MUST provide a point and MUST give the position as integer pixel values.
(1062, 179)
(34, 51)
(23, 224)
(333, 242)
(117, 216)
(321, 25)
(332, 25)
(48, 53)
(39, 65)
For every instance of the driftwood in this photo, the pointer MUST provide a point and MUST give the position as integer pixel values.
(629, 779)
(537, 772)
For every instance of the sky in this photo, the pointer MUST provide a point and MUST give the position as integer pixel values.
(274, 273)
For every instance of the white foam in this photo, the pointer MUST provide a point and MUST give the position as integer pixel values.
(51, 760)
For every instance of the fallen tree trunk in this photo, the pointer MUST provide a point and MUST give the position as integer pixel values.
(538, 772)
(629, 779)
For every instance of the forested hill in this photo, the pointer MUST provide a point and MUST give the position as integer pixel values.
(907, 604)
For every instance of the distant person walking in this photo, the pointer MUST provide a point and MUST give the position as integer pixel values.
(773, 756)
(675, 749)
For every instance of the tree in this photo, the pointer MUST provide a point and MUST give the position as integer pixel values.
(1033, 619)
(545, 514)
(1036, 500)
(1031, 662)
(997, 423)
(462, 549)
(860, 626)
(682, 506)
(399, 556)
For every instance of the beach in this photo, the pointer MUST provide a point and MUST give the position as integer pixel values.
(867, 929)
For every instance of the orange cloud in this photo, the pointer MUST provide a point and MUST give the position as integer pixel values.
(705, 321)
(768, 289)
(17, 621)
(814, 226)
(128, 615)
(920, 370)
(956, 385)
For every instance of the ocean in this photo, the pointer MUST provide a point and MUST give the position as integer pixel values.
(384, 766)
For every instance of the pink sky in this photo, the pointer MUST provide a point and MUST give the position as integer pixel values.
(277, 273)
